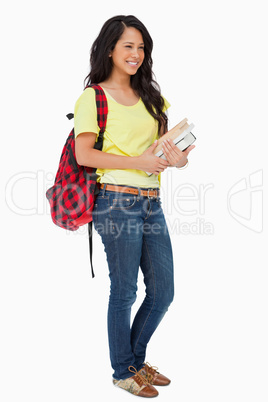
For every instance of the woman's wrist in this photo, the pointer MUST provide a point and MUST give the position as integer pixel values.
(182, 166)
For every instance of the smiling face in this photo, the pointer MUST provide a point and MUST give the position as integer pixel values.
(128, 53)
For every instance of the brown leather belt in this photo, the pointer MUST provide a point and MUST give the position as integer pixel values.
(130, 190)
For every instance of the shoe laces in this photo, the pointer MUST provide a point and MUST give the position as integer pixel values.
(150, 371)
(141, 379)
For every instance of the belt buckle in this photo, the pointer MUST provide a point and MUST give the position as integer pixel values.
(151, 196)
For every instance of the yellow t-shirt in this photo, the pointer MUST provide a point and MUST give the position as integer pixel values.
(130, 130)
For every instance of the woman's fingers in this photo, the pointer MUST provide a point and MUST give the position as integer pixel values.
(188, 150)
(169, 144)
(171, 152)
(162, 163)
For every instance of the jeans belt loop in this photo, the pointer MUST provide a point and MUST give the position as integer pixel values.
(104, 189)
(139, 194)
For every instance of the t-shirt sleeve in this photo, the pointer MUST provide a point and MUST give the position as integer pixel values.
(85, 113)
(166, 104)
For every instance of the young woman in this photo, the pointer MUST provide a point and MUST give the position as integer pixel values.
(127, 212)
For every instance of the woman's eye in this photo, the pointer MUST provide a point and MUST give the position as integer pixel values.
(130, 47)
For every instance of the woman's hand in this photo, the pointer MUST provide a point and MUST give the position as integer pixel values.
(174, 156)
(148, 162)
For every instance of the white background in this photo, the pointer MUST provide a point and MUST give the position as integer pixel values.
(210, 59)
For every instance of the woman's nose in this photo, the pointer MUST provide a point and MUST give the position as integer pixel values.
(135, 53)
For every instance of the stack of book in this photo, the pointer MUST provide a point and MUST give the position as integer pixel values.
(181, 136)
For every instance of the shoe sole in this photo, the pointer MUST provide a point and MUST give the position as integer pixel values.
(130, 393)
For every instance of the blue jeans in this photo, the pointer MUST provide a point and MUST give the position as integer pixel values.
(134, 233)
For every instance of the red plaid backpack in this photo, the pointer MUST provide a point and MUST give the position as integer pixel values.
(72, 196)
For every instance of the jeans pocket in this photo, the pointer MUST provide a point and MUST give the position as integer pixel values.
(120, 203)
(101, 208)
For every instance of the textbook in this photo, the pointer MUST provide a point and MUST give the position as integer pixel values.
(180, 134)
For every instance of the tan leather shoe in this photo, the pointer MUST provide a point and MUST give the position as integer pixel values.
(153, 376)
(137, 385)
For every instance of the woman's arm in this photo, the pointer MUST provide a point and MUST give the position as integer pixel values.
(87, 156)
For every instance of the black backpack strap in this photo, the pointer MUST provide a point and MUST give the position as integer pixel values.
(70, 116)
(90, 246)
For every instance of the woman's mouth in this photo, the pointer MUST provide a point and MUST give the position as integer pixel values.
(132, 63)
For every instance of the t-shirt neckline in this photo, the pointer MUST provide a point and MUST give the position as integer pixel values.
(120, 104)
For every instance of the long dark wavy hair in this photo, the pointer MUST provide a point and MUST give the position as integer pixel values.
(142, 82)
